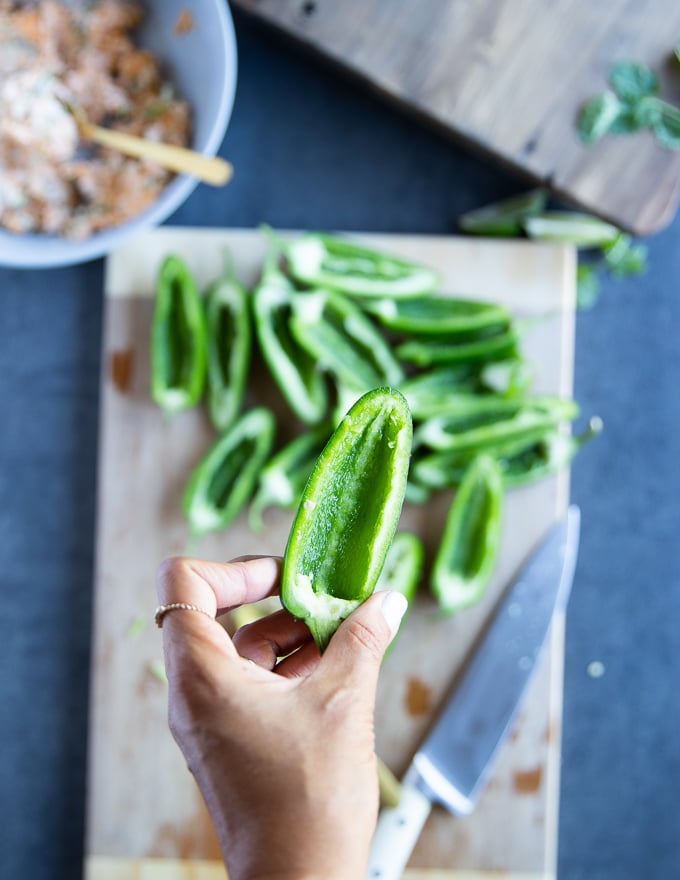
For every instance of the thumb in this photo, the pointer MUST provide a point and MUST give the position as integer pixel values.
(356, 650)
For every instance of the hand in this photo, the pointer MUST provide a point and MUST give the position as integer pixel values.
(282, 750)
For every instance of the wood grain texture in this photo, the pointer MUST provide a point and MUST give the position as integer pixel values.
(507, 78)
(142, 802)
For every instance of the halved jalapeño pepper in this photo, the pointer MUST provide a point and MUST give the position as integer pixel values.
(295, 372)
(520, 462)
(403, 566)
(284, 476)
(468, 550)
(468, 348)
(428, 393)
(340, 264)
(437, 314)
(229, 342)
(178, 339)
(511, 377)
(224, 480)
(549, 455)
(342, 340)
(476, 423)
(505, 217)
(348, 514)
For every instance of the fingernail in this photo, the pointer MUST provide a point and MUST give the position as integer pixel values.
(393, 607)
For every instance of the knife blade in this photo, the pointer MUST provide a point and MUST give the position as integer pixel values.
(452, 765)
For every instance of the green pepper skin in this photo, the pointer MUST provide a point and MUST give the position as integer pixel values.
(284, 476)
(533, 461)
(549, 456)
(469, 547)
(333, 262)
(428, 392)
(348, 514)
(403, 565)
(511, 377)
(229, 344)
(343, 340)
(481, 349)
(402, 569)
(178, 339)
(504, 218)
(297, 375)
(224, 480)
(475, 424)
(436, 315)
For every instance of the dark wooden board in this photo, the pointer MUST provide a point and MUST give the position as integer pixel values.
(507, 77)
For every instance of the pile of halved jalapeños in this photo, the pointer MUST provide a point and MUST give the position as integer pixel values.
(450, 407)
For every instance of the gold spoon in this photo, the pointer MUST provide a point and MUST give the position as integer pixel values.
(209, 169)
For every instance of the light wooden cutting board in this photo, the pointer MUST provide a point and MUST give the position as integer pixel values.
(507, 79)
(145, 816)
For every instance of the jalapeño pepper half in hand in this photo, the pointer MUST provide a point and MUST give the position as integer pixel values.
(229, 340)
(343, 341)
(337, 263)
(348, 514)
(296, 373)
(224, 480)
(178, 339)
(469, 546)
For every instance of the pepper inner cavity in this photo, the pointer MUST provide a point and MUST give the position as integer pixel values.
(224, 476)
(348, 510)
(178, 339)
(360, 351)
(226, 329)
(280, 320)
(469, 550)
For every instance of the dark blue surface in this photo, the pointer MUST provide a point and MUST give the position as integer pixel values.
(312, 150)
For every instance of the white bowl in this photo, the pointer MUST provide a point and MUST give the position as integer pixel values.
(202, 64)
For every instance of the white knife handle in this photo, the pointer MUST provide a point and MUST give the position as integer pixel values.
(397, 832)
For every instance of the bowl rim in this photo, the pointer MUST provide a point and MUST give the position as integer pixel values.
(58, 251)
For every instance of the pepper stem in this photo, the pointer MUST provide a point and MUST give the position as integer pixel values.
(595, 426)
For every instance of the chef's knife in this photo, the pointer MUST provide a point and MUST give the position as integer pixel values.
(451, 766)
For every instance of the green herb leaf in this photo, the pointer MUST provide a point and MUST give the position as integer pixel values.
(626, 122)
(677, 53)
(634, 262)
(587, 285)
(597, 117)
(623, 258)
(647, 111)
(636, 115)
(633, 81)
(667, 129)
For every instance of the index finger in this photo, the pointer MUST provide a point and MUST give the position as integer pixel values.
(217, 586)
